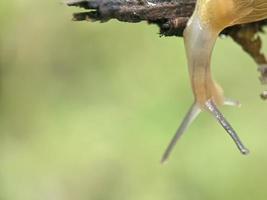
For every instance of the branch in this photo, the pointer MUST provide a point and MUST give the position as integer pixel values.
(171, 16)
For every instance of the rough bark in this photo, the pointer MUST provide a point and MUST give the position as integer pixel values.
(171, 16)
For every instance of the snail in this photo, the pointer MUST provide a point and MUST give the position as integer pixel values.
(209, 18)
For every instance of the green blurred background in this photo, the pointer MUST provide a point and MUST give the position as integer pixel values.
(86, 111)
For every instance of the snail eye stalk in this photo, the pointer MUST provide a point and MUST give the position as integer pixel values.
(212, 108)
(188, 119)
(192, 114)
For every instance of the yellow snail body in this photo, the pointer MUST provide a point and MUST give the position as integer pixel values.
(210, 17)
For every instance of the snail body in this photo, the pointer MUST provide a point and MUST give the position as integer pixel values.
(210, 17)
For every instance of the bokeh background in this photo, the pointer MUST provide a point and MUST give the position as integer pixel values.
(86, 111)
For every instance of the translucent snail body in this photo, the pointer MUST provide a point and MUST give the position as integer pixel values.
(208, 20)
(199, 42)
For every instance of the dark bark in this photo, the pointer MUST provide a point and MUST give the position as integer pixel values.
(171, 16)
